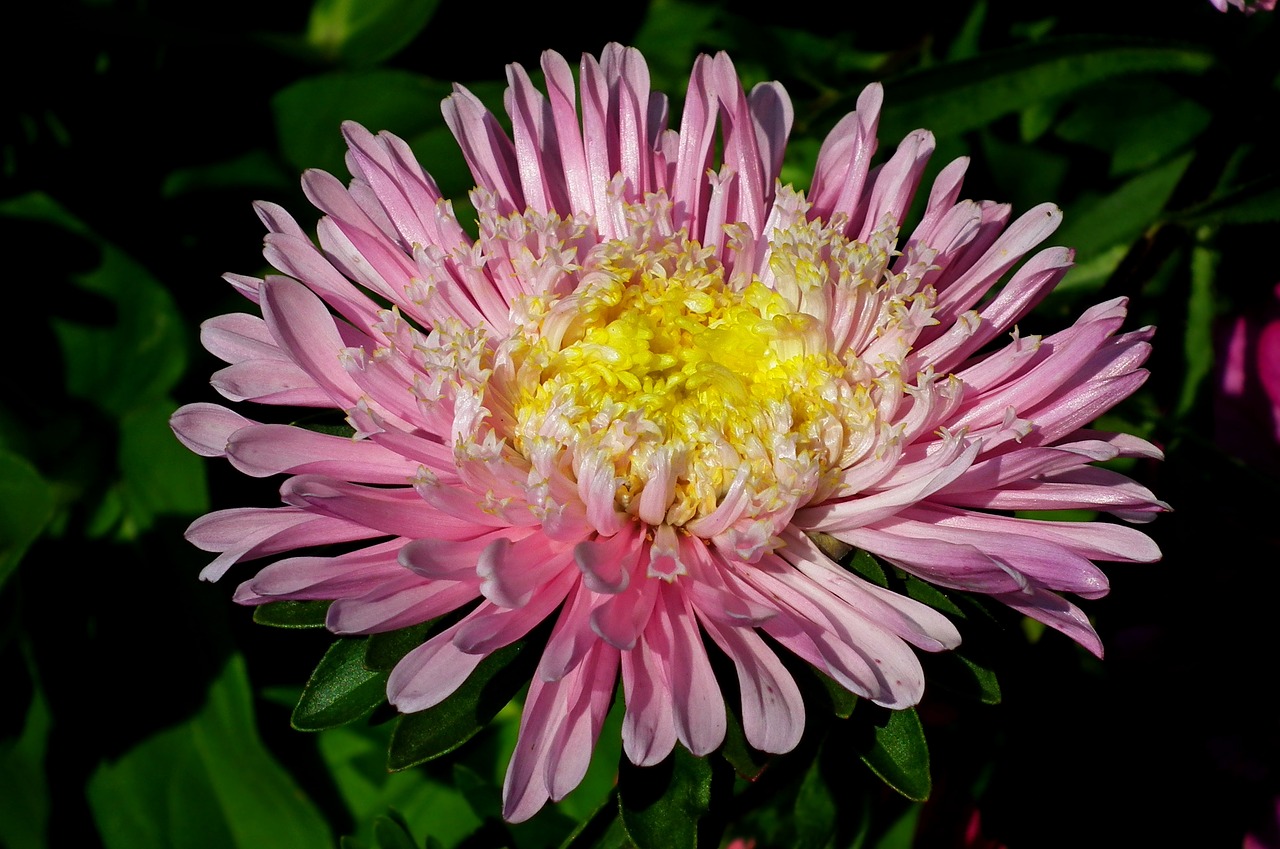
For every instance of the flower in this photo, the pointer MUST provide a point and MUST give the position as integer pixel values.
(645, 400)
(1246, 6)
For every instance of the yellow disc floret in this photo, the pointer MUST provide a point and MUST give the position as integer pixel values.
(688, 385)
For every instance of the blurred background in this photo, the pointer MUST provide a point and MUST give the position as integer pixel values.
(140, 708)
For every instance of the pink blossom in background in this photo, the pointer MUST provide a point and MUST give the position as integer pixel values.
(1246, 6)
(652, 400)
(1247, 403)
(1268, 837)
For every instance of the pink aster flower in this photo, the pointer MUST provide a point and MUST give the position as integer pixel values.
(632, 404)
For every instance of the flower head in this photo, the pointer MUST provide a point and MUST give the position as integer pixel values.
(633, 403)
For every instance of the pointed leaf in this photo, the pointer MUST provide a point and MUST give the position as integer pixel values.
(900, 754)
(815, 819)
(341, 688)
(26, 506)
(384, 650)
(426, 735)
(955, 97)
(662, 804)
(292, 614)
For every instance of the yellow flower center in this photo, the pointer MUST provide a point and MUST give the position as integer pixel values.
(687, 385)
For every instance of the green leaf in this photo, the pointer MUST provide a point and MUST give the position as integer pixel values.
(428, 734)
(292, 614)
(356, 757)
(138, 358)
(341, 689)
(1095, 225)
(309, 112)
(746, 761)
(956, 97)
(206, 783)
(24, 805)
(961, 674)
(899, 754)
(815, 818)
(842, 701)
(392, 832)
(865, 564)
(365, 32)
(1257, 202)
(661, 804)
(927, 593)
(26, 507)
(602, 830)
(159, 476)
(1197, 337)
(1140, 122)
(385, 650)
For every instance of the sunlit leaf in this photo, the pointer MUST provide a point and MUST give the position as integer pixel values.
(206, 783)
(356, 756)
(364, 32)
(1094, 226)
(661, 804)
(341, 689)
(899, 754)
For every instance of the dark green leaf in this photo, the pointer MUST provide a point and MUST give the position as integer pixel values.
(385, 650)
(602, 830)
(1140, 122)
(436, 731)
(391, 832)
(159, 476)
(309, 112)
(815, 819)
(955, 97)
(26, 506)
(900, 754)
(292, 614)
(134, 360)
(746, 761)
(865, 564)
(341, 689)
(926, 593)
(484, 797)
(842, 701)
(661, 804)
(959, 673)
(24, 805)
(1257, 202)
